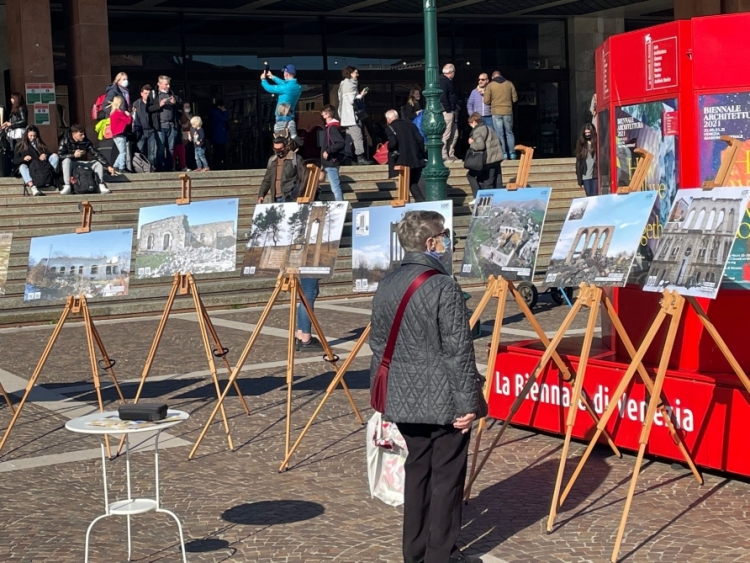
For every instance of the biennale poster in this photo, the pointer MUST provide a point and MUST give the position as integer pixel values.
(604, 140)
(95, 264)
(650, 126)
(724, 114)
(294, 238)
(599, 239)
(695, 243)
(5, 241)
(198, 238)
(375, 248)
(505, 232)
(737, 272)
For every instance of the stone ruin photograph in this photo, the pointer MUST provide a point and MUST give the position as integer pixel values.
(197, 238)
(294, 238)
(95, 264)
(599, 246)
(697, 242)
(5, 242)
(505, 233)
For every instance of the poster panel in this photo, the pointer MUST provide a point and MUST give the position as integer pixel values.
(724, 114)
(5, 241)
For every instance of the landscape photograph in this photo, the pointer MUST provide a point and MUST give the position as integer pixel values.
(5, 241)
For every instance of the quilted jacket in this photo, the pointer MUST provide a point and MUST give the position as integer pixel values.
(433, 377)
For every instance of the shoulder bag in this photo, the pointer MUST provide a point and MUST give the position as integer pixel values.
(476, 160)
(379, 389)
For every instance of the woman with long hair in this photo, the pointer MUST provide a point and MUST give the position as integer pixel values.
(119, 87)
(350, 96)
(412, 107)
(119, 124)
(17, 120)
(586, 160)
(29, 148)
(484, 138)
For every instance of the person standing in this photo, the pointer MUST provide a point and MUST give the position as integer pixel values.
(18, 120)
(483, 138)
(434, 390)
(198, 142)
(412, 108)
(476, 101)
(146, 123)
(449, 100)
(351, 104)
(500, 94)
(333, 153)
(120, 126)
(219, 117)
(287, 90)
(406, 148)
(119, 87)
(586, 160)
(168, 123)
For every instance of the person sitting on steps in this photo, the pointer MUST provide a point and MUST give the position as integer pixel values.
(28, 149)
(73, 150)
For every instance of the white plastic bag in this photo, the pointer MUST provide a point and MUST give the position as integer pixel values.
(386, 455)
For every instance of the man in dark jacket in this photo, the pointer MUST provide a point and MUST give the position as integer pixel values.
(74, 151)
(406, 148)
(169, 128)
(146, 123)
(333, 153)
(434, 388)
(285, 174)
(449, 100)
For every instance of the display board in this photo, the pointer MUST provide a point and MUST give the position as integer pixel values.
(95, 264)
(199, 238)
(5, 241)
(294, 238)
(376, 250)
(724, 114)
(599, 239)
(696, 241)
(505, 232)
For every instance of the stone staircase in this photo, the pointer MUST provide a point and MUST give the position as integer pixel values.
(363, 186)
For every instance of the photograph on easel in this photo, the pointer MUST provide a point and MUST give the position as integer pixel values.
(376, 251)
(197, 238)
(695, 244)
(95, 264)
(5, 241)
(599, 240)
(505, 232)
(294, 238)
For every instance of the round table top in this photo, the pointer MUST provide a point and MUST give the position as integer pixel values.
(110, 423)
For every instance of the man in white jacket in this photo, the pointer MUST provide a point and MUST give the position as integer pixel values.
(348, 94)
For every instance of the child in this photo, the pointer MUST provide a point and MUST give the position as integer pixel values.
(119, 123)
(199, 142)
(285, 125)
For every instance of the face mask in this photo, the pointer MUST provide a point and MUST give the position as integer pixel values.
(124, 83)
(186, 110)
(280, 154)
(587, 136)
(435, 254)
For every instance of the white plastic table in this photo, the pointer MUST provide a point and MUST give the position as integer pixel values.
(102, 423)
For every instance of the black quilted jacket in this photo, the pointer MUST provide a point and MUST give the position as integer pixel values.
(433, 377)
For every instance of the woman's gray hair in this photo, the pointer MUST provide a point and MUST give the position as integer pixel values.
(416, 227)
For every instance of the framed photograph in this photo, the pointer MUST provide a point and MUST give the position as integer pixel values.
(5, 241)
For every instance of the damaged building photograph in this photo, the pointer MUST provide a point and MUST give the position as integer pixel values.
(197, 238)
(95, 264)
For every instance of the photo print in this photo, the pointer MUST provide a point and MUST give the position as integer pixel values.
(378, 252)
(696, 243)
(505, 232)
(599, 240)
(198, 238)
(294, 238)
(95, 264)
(5, 241)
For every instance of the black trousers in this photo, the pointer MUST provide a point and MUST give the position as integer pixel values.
(417, 187)
(435, 473)
(487, 178)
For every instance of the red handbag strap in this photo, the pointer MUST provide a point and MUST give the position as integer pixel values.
(393, 336)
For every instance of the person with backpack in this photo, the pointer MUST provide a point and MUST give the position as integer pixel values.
(145, 124)
(333, 152)
(119, 87)
(120, 120)
(87, 175)
(36, 163)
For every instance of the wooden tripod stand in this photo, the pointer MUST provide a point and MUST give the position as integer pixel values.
(75, 306)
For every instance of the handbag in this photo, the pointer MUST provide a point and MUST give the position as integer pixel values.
(380, 385)
(476, 160)
(386, 456)
(381, 153)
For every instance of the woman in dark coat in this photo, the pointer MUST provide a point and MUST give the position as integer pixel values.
(586, 160)
(17, 120)
(405, 148)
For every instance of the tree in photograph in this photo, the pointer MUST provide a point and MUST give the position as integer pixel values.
(298, 223)
(332, 208)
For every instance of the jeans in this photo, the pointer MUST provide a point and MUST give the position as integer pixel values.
(333, 179)
(147, 145)
(26, 175)
(122, 161)
(69, 165)
(200, 157)
(165, 139)
(450, 135)
(503, 125)
(311, 288)
(591, 187)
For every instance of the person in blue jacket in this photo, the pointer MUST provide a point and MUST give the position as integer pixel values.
(218, 118)
(287, 90)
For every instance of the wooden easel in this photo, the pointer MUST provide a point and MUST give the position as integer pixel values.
(184, 284)
(287, 283)
(524, 167)
(402, 186)
(728, 158)
(638, 180)
(74, 306)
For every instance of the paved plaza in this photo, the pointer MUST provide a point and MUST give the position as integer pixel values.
(236, 506)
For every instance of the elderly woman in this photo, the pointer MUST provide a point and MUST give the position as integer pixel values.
(434, 391)
(484, 138)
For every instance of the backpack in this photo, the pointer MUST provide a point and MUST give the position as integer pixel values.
(42, 173)
(84, 180)
(97, 110)
(141, 164)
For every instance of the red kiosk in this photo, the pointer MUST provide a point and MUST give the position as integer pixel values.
(672, 90)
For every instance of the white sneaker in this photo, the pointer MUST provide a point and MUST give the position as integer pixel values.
(66, 190)
(104, 190)
(34, 190)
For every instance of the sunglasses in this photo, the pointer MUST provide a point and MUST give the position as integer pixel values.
(446, 233)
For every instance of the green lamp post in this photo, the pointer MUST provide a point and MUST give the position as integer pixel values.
(435, 173)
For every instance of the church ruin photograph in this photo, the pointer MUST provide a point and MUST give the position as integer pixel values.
(200, 238)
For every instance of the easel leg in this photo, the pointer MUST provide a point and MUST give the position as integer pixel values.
(38, 370)
(88, 323)
(331, 387)
(648, 423)
(294, 287)
(7, 399)
(240, 362)
(109, 367)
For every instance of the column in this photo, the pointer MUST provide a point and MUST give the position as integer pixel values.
(686, 9)
(734, 6)
(89, 70)
(30, 48)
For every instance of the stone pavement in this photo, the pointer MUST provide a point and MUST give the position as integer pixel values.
(235, 506)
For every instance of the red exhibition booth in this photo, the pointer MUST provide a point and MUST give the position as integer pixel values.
(672, 90)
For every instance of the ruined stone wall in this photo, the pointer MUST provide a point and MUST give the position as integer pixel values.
(171, 231)
(214, 235)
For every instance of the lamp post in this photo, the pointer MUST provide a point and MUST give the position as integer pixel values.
(433, 124)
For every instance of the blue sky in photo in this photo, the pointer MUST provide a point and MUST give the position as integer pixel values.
(525, 194)
(628, 213)
(97, 243)
(198, 212)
